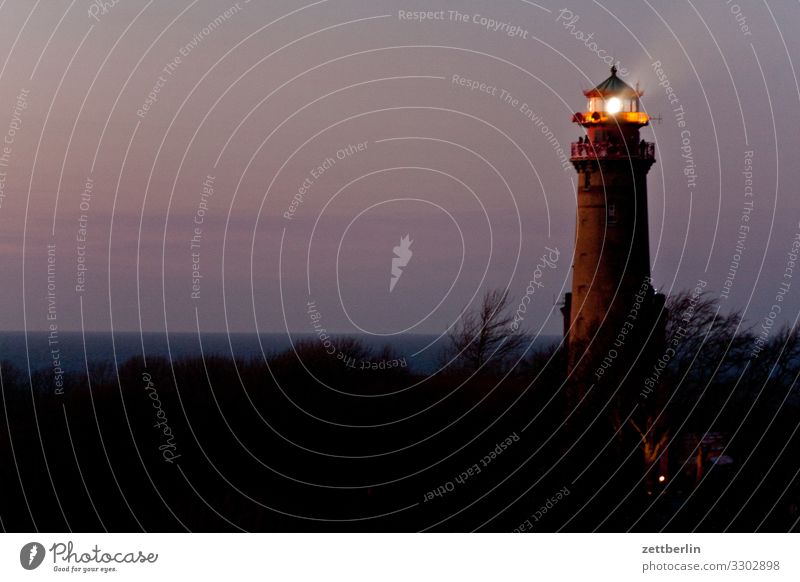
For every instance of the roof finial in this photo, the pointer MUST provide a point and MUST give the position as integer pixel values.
(613, 70)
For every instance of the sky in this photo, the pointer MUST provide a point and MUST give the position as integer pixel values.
(234, 166)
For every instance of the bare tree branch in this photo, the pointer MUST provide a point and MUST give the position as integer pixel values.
(485, 334)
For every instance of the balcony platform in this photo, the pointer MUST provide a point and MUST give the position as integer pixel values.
(612, 151)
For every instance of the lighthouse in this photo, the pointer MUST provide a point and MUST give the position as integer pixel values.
(612, 310)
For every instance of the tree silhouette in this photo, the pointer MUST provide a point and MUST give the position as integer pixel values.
(483, 336)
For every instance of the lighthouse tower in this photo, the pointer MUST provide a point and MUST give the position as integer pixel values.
(612, 307)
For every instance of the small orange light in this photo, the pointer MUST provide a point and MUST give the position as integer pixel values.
(661, 478)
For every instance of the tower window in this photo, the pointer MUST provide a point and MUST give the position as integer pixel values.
(611, 214)
(587, 179)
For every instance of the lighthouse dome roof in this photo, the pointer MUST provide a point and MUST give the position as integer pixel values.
(612, 86)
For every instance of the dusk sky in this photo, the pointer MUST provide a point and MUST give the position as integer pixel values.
(251, 98)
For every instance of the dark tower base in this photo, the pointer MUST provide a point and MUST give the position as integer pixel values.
(620, 351)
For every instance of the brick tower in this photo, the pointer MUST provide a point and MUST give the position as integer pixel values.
(612, 308)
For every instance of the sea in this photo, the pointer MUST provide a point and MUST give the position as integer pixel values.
(34, 349)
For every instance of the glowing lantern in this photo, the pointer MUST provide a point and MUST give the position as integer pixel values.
(614, 105)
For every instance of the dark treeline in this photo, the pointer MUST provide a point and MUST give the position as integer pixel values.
(306, 441)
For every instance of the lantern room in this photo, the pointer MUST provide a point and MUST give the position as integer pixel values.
(611, 122)
(612, 101)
